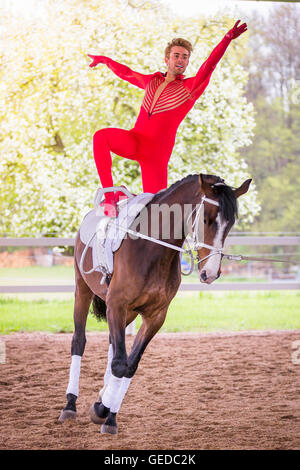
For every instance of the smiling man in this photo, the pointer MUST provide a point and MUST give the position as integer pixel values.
(168, 98)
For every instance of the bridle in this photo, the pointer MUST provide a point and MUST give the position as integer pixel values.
(196, 228)
(196, 243)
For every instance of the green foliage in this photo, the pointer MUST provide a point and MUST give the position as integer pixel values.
(51, 104)
(274, 89)
(275, 164)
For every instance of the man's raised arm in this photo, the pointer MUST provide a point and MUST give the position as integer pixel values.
(198, 83)
(135, 78)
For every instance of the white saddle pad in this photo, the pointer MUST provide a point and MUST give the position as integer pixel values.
(103, 234)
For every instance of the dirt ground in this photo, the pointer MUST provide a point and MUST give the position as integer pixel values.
(191, 391)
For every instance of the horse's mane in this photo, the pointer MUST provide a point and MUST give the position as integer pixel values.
(225, 194)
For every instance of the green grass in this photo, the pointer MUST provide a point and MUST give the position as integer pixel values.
(40, 315)
(235, 311)
(193, 312)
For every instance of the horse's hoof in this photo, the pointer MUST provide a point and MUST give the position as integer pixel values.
(93, 415)
(107, 429)
(66, 414)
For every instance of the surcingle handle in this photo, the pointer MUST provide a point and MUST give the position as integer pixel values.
(101, 191)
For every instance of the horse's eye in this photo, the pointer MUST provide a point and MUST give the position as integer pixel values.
(204, 221)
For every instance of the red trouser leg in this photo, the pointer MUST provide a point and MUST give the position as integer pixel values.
(153, 162)
(119, 141)
(154, 175)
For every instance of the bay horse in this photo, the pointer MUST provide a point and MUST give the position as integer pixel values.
(145, 279)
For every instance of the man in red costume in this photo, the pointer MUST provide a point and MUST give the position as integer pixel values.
(168, 99)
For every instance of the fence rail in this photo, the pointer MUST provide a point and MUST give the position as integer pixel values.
(231, 240)
(216, 286)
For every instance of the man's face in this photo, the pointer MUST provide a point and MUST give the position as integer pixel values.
(178, 60)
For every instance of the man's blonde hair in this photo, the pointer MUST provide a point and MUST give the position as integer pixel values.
(178, 42)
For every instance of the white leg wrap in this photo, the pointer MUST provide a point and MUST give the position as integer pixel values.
(121, 394)
(73, 386)
(111, 391)
(114, 390)
(114, 393)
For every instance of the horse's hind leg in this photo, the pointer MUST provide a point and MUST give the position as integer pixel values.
(83, 298)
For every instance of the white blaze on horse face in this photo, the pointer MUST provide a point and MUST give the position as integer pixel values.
(213, 263)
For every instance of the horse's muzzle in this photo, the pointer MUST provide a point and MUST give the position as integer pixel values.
(204, 278)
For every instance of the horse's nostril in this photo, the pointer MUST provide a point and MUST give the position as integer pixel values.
(203, 276)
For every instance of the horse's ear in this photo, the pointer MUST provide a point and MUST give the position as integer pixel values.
(243, 188)
(204, 185)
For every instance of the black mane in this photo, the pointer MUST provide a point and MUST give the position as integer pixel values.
(226, 197)
(227, 201)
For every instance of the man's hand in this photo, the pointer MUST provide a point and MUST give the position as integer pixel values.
(236, 31)
(97, 59)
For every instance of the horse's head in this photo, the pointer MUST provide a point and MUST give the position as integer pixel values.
(218, 220)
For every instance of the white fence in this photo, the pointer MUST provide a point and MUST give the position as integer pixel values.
(216, 286)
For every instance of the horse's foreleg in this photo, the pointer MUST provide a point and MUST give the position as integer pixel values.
(148, 329)
(115, 382)
(117, 364)
(83, 298)
(131, 316)
(99, 412)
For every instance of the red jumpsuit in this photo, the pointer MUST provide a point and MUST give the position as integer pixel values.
(151, 140)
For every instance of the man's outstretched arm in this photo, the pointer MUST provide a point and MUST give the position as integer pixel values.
(135, 78)
(198, 83)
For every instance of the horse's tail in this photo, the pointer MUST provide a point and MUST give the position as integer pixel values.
(99, 308)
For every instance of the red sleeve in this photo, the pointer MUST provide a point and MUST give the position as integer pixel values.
(135, 78)
(196, 85)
